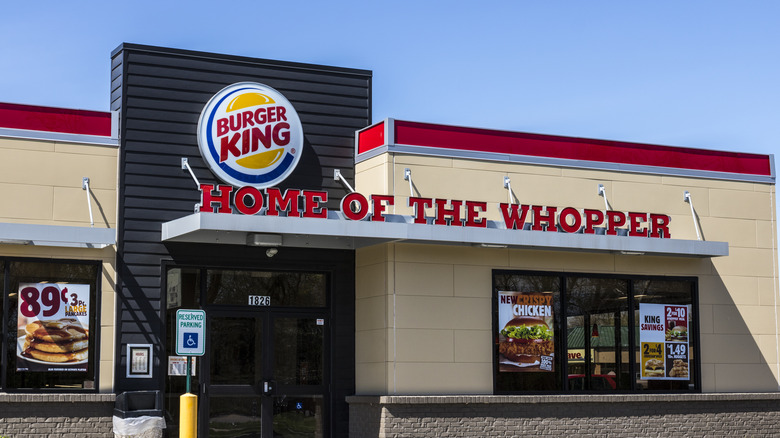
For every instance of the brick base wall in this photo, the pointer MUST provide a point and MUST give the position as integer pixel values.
(755, 415)
(56, 415)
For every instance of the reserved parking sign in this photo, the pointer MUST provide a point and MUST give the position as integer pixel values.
(190, 332)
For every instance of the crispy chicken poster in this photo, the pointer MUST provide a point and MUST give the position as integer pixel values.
(525, 334)
(53, 327)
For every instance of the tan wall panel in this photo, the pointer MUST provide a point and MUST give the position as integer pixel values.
(658, 199)
(420, 160)
(505, 168)
(767, 344)
(371, 255)
(651, 265)
(561, 261)
(760, 320)
(370, 313)
(371, 378)
(444, 182)
(744, 378)
(708, 377)
(737, 232)
(370, 346)
(441, 313)
(709, 183)
(473, 281)
(765, 234)
(443, 378)
(741, 204)
(373, 180)
(728, 290)
(458, 255)
(106, 378)
(757, 262)
(41, 182)
(602, 176)
(728, 320)
(706, 319)
(71, 207)
(57, 169)
(425, 345)
(767, 291)
(26, 203)
(86, 149)
(558, 192)
(371, 281)
(27, 145)
(424, 279)
(473, 346)
(719, 348)
(472, 313)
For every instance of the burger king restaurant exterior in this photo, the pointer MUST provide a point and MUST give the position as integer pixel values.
(396, 278)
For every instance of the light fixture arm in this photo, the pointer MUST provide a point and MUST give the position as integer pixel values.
(603, 192)
(508, 186)
(185, 165)
(337, 176)
(85, 186)
(408, 177)
(687, 198)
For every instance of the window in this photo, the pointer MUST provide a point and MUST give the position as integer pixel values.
(52, 328)
(586, 332)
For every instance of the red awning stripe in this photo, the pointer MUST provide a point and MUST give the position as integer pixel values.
(571, 148)
(61, 120)
(456, 138)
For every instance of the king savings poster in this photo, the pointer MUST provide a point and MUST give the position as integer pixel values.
(526, 338)
(664, 341)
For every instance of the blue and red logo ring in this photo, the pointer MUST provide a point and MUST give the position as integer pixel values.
(236, 177)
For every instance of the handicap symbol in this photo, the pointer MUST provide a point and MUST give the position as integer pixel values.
(191, 340)
(299, 405)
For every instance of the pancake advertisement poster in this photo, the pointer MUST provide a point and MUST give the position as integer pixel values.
(525, 332)
(53, 327)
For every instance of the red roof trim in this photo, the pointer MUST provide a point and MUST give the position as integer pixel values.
(571, 148)
(371, 137)
(61, 120)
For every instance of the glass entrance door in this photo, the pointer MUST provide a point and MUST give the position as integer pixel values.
(264, 374)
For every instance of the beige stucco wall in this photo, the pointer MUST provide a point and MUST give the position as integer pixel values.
(424, 311)
(41, 184)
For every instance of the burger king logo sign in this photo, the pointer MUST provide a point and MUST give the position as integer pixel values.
(250, 135)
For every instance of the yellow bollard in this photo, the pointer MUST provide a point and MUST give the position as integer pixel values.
(188, 416)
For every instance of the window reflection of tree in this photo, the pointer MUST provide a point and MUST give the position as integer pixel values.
(597, 310)
(284, 288)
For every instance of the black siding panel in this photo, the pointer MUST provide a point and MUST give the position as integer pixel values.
(160, 93)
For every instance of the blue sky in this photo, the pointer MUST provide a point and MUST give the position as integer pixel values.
(696, 73)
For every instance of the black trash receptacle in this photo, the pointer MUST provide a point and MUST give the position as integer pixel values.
(138, 414)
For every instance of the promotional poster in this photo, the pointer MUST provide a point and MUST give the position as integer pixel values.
(525, 333)
(53, 327)
(664, 345)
